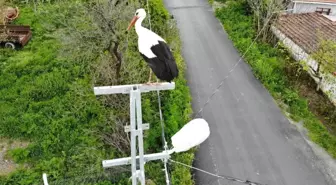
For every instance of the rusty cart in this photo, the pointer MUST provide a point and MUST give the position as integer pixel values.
(13, 36)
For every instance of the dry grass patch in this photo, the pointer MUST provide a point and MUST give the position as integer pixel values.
(6, 164)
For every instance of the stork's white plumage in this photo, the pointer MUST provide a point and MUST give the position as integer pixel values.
(154, 49)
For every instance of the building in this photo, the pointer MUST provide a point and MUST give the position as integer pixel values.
(326, 7)
(301, 33)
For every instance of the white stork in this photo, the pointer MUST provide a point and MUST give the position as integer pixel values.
(154, 50)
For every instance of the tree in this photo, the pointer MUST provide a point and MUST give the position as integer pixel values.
(325, 56)
(264, 12)
(96, 32)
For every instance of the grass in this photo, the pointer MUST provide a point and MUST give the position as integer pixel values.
(272, 66)
(49, 102)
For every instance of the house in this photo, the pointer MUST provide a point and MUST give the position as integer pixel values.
(301, 33)
(327, 7)
(304, 29)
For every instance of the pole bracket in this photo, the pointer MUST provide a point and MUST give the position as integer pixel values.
(145, 126)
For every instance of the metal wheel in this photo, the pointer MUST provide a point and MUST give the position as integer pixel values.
(10, 45)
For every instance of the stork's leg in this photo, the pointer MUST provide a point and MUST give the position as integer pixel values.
(150, 76)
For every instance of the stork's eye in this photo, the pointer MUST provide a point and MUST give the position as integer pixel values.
(137, 13)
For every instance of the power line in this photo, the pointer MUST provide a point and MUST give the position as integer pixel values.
(209, 99)
(231, 70)
(149, 17)
(165, 146)
(116, 174)
(164, 142)
(218, 176)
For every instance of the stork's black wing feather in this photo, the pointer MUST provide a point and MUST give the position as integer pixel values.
(164, 54)
(163, 65)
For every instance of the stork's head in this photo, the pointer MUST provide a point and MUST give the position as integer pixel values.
(139, 14)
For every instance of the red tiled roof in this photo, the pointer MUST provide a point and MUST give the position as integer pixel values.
(303, 29)
(319, 1)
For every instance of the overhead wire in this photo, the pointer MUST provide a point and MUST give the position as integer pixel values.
(231, 70)
(208, 101)
(233, 179)
(91, 177)
(164, 142)
(149, 17)
(236, 64)
(229, 178)
(200, 111)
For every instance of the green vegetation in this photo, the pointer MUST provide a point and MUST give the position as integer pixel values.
(275, 69)
(325, 56)
(47, 98)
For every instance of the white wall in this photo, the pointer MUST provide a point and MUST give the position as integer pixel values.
(328, 85)
(305, 8)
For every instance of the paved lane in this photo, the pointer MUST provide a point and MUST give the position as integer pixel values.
(251, 138)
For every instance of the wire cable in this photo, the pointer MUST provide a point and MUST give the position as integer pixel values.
(231, 70)
(218, 176)
(165, 146)
(236, 64)
(162, 121)
(149, 17)
(200, 111)
(164, 142)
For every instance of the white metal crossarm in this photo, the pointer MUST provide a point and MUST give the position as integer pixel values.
(126, 89)
(128, 160)
(136, 127)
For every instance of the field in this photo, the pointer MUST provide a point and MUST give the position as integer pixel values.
(47, 101)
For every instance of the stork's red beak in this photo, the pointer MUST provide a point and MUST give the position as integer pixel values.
(135, 18)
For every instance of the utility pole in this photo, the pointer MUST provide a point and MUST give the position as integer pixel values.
(190, 135)
(136, 128)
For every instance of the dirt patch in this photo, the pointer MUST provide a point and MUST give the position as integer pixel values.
(318, 102)
(6, 164)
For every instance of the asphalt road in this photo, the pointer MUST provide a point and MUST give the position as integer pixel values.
(250, 137)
